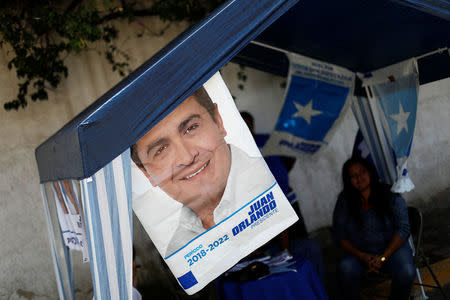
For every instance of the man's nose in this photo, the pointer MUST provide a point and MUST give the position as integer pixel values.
(186, 153)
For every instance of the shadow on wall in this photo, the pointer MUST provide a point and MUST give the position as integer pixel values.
(439, 200)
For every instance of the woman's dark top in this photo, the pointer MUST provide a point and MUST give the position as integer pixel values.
(370, 232)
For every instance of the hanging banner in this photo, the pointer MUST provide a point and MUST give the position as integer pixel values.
(69, 217)
(317, 96)
(396, 89)
(202, 190)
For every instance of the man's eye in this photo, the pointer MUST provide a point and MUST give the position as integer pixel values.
(191, 128)
(161, 149)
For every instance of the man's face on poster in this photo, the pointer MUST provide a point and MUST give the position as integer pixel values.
(186, 155)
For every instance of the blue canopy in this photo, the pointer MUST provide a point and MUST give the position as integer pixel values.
(359, 35)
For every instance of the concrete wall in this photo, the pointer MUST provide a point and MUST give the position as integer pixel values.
(25, 260)
(429, 166)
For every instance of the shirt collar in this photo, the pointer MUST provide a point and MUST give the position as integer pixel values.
(190, 221)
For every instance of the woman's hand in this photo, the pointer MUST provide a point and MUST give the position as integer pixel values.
(378, 263)
(372, 262)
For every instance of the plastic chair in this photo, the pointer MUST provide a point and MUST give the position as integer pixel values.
(420, 259)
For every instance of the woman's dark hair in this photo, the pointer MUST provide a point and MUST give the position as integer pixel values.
(379, 192)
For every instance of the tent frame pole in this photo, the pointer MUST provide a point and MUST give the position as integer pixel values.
(271, 47)
(440, 50)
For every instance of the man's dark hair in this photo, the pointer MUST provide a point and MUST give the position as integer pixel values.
(202, 98)
(247, 116)
(249, 120)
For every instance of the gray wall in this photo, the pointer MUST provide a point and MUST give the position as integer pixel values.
(25, 261)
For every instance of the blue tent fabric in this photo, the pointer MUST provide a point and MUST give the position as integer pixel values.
(131, 108)
(109, 226)
(439, 8)
(361, 36)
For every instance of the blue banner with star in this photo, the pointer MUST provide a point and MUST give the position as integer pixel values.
(394, 93)
(317, 96)
(396, 90)
(398, 102)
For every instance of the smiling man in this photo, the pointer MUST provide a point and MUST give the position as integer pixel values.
(186, 156)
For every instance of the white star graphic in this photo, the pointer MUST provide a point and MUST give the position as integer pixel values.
(305, 112)
(402, 119)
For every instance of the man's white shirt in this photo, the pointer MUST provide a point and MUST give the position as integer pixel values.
(248, 178)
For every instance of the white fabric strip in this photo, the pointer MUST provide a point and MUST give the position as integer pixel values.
(124, 221)
(110, 256)
(79, 200)
(87, 208)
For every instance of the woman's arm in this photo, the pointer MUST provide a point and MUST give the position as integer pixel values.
(400, 221)
(347, 246)
(394, 244)
(400, 217)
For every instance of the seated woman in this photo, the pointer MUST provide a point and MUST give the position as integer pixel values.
(371, 224)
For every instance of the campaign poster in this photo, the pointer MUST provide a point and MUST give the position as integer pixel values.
(317, 97)
(202, 190)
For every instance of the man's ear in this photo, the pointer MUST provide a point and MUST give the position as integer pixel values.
(143, 170)
(219, 121)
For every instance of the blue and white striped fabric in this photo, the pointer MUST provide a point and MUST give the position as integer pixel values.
(107, 207)
(371, 145)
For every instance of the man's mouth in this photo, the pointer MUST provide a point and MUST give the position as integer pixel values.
(196, 172)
